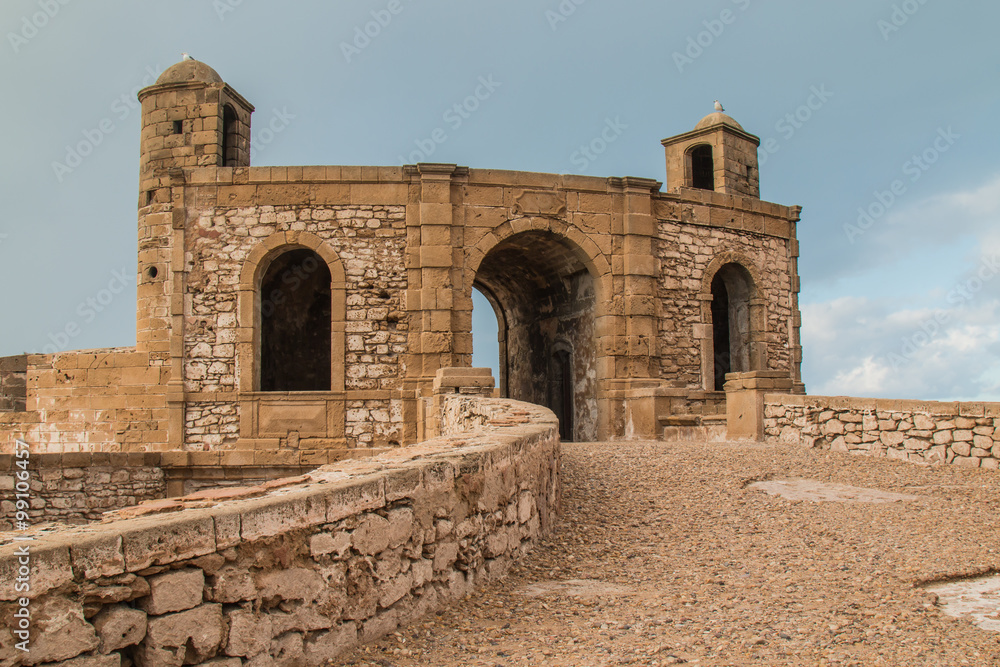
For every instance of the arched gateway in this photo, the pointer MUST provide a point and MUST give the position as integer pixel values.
(314, 310)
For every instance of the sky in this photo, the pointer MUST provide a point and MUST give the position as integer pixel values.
(877, 116)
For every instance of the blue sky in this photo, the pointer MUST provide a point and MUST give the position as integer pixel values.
(902, 125)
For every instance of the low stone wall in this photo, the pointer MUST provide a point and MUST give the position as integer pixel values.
(79, 487)
(965, 434)
(289, 574)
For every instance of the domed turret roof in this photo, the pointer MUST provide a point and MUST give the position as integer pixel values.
(187, 71)
(717, 118)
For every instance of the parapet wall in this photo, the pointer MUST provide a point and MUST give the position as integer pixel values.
(965, 434)
(80, 487)
(294, 573)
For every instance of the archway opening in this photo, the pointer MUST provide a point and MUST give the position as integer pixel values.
(702, 167)
(488, 335)
(545, 298)
(732, 288)
(230, 137)
(295, 327)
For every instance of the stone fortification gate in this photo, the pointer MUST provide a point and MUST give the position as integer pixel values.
(293, 314)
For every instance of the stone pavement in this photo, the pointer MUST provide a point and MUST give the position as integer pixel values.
(667, 555)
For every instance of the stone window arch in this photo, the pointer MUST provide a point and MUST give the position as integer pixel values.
(701, 167)
(230, 137)
(291, 275)
(734, 317)
(295, 323)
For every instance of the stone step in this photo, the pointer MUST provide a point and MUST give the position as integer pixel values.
(713, 433)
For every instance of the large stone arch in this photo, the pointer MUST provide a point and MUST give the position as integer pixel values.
(731, 289)
(549, 283)
(248, 305)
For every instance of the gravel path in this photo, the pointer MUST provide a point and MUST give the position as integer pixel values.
(664, 556)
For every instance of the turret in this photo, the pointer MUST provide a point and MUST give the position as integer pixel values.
(192, 118)
(718, 154)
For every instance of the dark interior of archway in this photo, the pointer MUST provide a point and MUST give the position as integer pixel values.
(702, 168)
(295, 323)
(547, 297)
(720, 331)
(731, 289)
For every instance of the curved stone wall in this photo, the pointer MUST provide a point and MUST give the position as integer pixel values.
(294, 572)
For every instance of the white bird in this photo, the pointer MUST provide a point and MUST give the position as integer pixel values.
(718, 107)
(185, 56)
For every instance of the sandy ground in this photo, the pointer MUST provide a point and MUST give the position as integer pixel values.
(665, 554)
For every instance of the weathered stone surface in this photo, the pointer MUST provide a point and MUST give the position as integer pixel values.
(323, 544)
(60, 632)
(119, 626)
(295, 583)
(112, 660)
(174, 591)
(328, 645)
(185, 637)
(249, 633)
(372, 535)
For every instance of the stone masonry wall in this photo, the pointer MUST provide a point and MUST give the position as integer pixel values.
(106, 400)
(13, 383)
(293, 572)
(80, 487)
(964, 434)
(369, 240)
(686, 247)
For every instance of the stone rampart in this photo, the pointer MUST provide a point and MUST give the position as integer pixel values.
(80, 487)
(965, 434)
(292, 572)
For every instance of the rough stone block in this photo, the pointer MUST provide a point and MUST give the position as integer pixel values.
(60, 632)
(372, 535)
(97, 555)
(249, 633)
(119, 626)
(271, 516)
(329, 645)
(166, 540)
(232, 584)
(174, 591)
(296, 583)
(323, 544)
(186, 637)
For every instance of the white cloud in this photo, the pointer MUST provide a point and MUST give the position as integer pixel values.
(940, 341)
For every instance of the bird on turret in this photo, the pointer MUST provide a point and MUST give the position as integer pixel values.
(718, 106)
(185, 56)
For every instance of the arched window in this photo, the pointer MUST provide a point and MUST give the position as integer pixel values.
(732, 287)
(702, 167)
(230, 137)
(295, 325)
